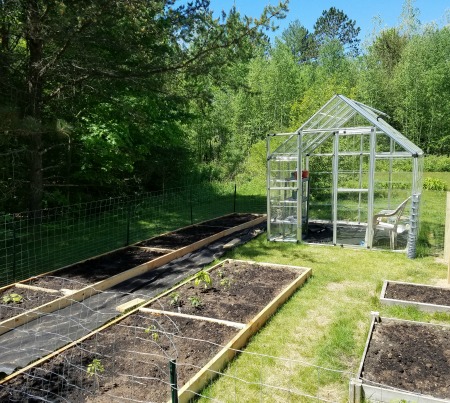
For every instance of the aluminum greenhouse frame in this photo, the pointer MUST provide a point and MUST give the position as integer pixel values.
(345, 177)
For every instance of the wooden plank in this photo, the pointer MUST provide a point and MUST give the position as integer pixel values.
(196, 317)
(36, 288)
(217, 363)
(130, 304)
(152, 249)
(232, 243)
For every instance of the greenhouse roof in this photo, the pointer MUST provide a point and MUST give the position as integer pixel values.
(334, 116)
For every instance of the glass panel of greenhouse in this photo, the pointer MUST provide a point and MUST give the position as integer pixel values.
(345, 177)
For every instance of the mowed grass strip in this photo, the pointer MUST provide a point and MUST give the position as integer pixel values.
(319, 335)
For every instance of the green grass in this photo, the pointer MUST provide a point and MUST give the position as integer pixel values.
(323, 325)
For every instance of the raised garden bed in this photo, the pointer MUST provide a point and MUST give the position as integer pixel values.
(404, 361)
(192, 234)
(236, 293)
(424, 297)
(135, 351)
(84, 279)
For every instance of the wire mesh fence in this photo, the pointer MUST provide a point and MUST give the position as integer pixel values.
(132, 359)
(36, 242)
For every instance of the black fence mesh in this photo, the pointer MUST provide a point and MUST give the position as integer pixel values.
(36, 242)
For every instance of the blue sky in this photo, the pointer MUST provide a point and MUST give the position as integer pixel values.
(363, 11)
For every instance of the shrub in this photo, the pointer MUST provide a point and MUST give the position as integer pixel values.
(434, 184)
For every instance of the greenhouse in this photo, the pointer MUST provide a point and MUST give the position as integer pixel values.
(345, 177)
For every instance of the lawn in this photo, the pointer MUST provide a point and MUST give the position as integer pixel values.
(314, 344)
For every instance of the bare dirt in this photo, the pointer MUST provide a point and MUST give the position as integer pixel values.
(135, 362)
(410, 356)
(418, 293)
(236, 293)
(135, 353)
(30, 299)
(189, 235)
(97, 269)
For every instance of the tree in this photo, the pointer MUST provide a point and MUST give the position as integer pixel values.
(300, 41)
(334, 24)
(59, 59)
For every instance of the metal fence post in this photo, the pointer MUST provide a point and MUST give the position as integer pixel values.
(173, 380)
(234, 199)
(190, 205)
(14, 247)
(128, 224)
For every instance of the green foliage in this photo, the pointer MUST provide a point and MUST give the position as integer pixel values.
(12, 298)
(226, 283)
(203, 278)
(175, 299)
(153, 331)
(195, 301)
(95, 367)
(334, 24)
(434, 184)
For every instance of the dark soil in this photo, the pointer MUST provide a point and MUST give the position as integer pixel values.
(186, 236)
(418, 293)
(410, 356)
(97, 269)
(231, 221)
(30, 299)
(136, 362)
(237, 293)
(135, 353)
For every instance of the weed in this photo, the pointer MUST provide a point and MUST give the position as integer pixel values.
(204, 278)
(12, 298)
(175, 299)
(226, 283)
(95, 367)
(154, 332)
(195, 301)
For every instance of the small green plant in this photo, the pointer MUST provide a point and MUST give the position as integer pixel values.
(220, 273)
(12, 298)
(154, 332)
(175, 299)
(95, 367)
(195, 301)
(434, 184)
(226, 283)
(204, 278)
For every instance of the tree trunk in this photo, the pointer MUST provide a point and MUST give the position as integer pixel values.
(33, 104)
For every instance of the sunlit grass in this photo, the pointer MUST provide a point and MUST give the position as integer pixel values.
(323, 326)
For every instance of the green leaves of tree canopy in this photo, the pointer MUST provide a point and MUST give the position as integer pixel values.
(70, 60)
(334, 24)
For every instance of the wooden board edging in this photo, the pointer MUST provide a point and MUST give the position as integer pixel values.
(218, 362)
(422, 306)
(157, 312)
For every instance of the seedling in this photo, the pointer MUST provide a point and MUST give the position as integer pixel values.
(226, 283)
(12, 298)
(153, 330)
(175, 299)
(95, 367)
(220, 273)
(196, 301)
(204, 278)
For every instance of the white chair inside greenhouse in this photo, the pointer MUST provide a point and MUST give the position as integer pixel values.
(389, 220)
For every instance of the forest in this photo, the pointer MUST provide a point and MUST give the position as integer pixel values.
(110, 97)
